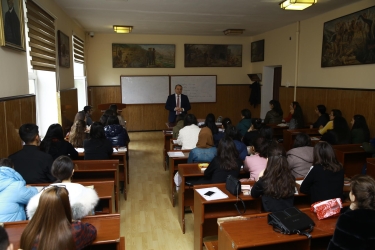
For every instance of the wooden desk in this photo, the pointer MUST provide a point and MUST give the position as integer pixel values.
(277, 130)
(173, 168)
(122, 156)
(371, 167)
(289, 135)
(235, 234)
(107, 227)
(98, 170)
(352, 157)
(167, 136)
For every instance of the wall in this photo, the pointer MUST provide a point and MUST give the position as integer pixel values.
(99, 58)
(279, 50)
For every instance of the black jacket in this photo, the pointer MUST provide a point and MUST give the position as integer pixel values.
(97, 149)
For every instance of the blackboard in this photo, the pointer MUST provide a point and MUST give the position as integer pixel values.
(155, 89)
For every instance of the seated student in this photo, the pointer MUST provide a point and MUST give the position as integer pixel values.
(339, 134)
(295, 117)
(360, 132)
(179, 125)
(300, 157)
(225, 163)
(205, 150)
(323, 118)
(52, 226)
(326, 178)
(4, 240)
(82, 199)
(115, 132)
(233, 133)
(253, 132)
(98, 147)
(188, 135)
(275, 115)
(224, 124)
(245, 122)
(55, 145)
(277, 184)
(354, 228)
(121, 120)
(257, 161)
(266, 132)
(104, 118)
(334, 113)
(78, 134)
(210, 123)
(14, 194)
(31, 163)
(88, 111)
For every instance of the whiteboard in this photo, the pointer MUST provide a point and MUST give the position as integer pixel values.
(197, 88)
(144, 89)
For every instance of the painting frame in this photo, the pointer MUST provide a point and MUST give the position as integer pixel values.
(347, 40)
(212, 55)
(12, 36)
(63, 42)
(128, 55)
(257, 51)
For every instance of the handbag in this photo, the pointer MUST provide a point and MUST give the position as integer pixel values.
(291, 221)
(327, 208)
(233, 185)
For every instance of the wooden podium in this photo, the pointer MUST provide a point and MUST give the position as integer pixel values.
(104, 106)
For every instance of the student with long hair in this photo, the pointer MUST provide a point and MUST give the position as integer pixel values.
(78, 134)
(295, 117)
(257, 161)
(225, 163)
(52, 226)
(121, 120)
(98, 147)
(339, 134)
(82, 199)
(275, 115)
(210, 123)
(104, 118)
(253, 132)
(323, 118)
(245, 122)
(115, 132)
(355, 228)
(224, 124)
(326, 178)
(277, 184)
(301, 156)
(234, 134)
(188, 135)
(334, 113)
(55, 145)
(360, 132)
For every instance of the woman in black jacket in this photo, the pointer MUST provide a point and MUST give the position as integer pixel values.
(98, 147)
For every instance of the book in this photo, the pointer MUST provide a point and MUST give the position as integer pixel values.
(176, 154)
(217, 194)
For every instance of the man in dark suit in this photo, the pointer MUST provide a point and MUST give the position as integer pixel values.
(177, 104)
(12, 28)
(31, 163)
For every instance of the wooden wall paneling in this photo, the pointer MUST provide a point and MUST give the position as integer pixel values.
(13, 122)
(99, 95)
(3, 127)
(362, 103)
(69, 107)
(27, 110)
(347, 104)
(371, 118)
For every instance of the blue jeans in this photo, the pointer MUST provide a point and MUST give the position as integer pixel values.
(202, 155)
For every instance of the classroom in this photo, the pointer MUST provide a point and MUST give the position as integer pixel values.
(292, 54)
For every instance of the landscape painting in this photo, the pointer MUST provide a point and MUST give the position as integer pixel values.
(143, 55)
(213, 55)
(349, 40)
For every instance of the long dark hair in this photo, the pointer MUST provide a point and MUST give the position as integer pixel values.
(341, 129)
(190, 119)
(266, 132)
(227, 154)
(225, 122)
(325, 156)
(261, 146)
(232, 132)
(277, 107)
(278, 179)
(210, 123)
(51, 223)
(360, 123)
(97, 131)
(54, 134)
(298, 115)
(363, 188)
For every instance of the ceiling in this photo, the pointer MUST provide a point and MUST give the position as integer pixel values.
(189, 17)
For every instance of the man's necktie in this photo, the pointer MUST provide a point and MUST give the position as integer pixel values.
(178, 104)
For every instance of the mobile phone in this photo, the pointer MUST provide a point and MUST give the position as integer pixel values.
(209, 193)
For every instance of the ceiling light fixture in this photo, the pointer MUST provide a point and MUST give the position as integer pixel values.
(122, 29)
(233, 32)
(296, 4)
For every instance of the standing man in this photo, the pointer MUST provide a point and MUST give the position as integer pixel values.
(12, 28)
(177, 104)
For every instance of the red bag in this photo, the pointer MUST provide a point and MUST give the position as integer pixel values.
(328, 208)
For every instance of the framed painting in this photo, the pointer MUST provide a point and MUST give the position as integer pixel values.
(349, 40)
(12, 32)
(63, 49)
(257, 51)
(213, 55)
(143, 55)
